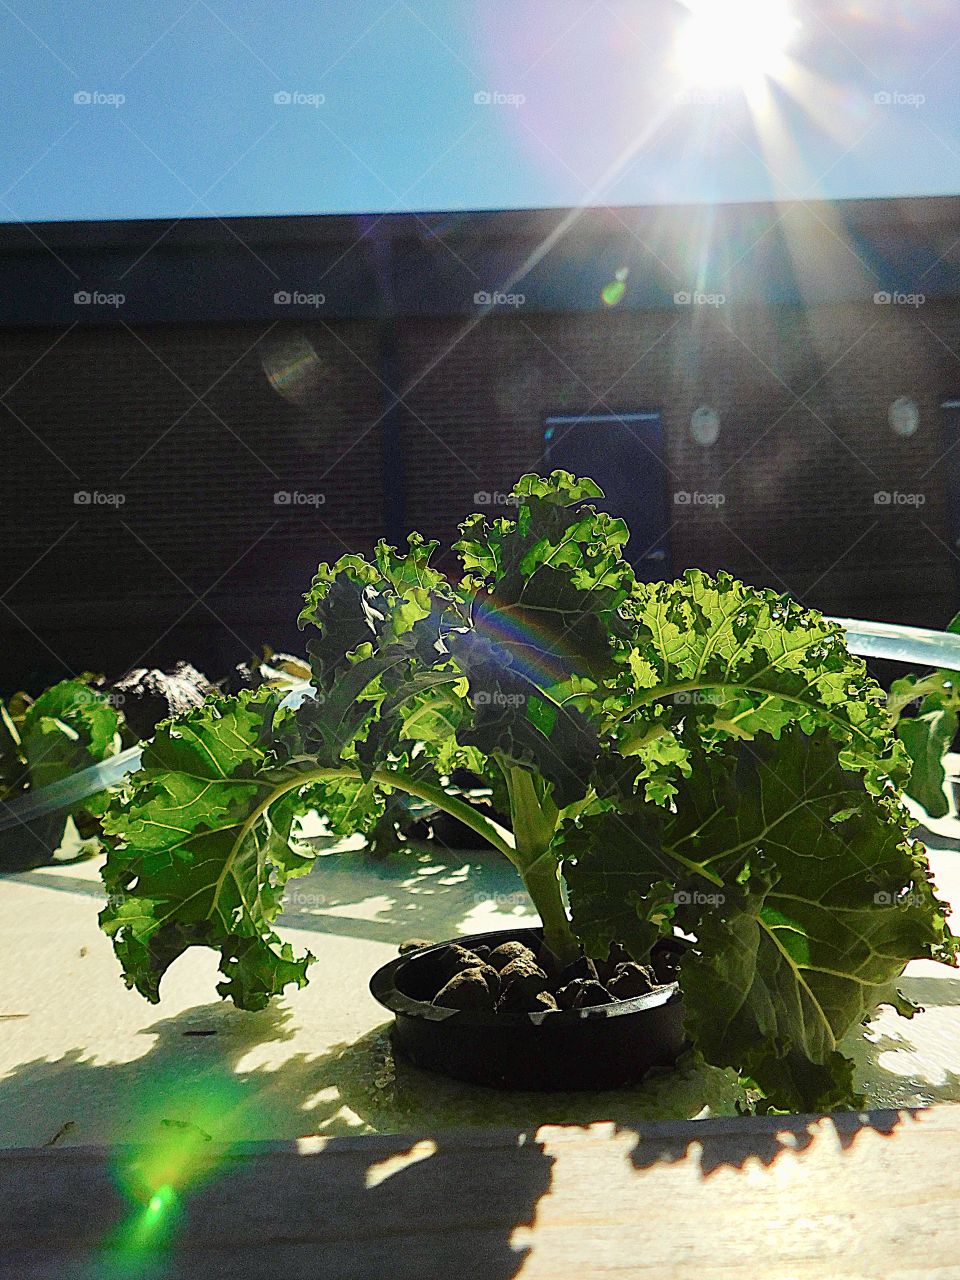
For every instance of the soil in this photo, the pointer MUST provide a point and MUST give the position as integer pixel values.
(513, 978)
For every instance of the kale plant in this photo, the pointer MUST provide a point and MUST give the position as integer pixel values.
(695, 756)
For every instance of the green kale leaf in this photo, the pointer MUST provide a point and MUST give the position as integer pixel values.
(801, 891)
(190, 864)
(929, 734)
(743, 662)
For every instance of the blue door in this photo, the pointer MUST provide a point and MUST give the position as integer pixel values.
(624, 454)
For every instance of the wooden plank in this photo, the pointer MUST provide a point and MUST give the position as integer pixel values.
(786, 1197)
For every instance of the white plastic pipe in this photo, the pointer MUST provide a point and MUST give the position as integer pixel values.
(87, 782)
(914, 645)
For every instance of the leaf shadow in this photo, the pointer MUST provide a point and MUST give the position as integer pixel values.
(215, 1079)
(193, 1102)
(234, 1076)
(724, 1142)
(430, 892)
(426, 892)
(939, 841)
(901, 1070)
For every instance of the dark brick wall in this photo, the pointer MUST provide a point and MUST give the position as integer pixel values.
(111, 411)
(804, 445)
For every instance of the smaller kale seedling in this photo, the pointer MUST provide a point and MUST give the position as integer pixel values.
(695, 756)
(928, 734)
(45, 740)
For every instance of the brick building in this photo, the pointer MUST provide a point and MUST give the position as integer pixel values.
(183, 412)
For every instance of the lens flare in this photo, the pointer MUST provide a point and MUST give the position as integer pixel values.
(139, 1248)
(613, 291)
(735, 42)
(171, 1158)
(536, 653)
(293, 368)
(160, 1201)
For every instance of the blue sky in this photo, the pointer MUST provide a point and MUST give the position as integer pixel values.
(591, 103)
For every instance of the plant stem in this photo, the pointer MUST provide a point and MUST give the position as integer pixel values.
(490, 830)
(541, 876)
(542, 881)
(534, 818)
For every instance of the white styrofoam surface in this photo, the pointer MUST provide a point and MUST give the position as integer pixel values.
(83, 1060)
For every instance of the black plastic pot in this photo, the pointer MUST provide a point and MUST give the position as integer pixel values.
(602, 1047)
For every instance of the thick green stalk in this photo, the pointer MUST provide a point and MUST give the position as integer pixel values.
(542, 881)
(534, 818)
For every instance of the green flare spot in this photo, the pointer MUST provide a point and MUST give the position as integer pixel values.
(613, 292)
